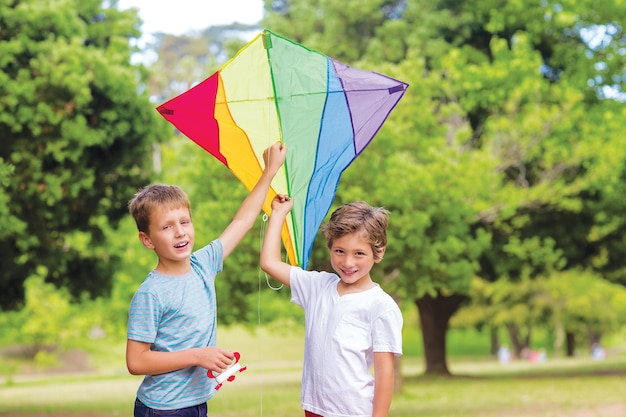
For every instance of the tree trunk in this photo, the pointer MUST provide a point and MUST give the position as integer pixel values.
(570, 343)
(521, 343)
(595, 337)
(514, 337)
(494, 339)
(559, 332)
(434, 314)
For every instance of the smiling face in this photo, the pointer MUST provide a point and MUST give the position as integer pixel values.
(171, 236)
(352, 258)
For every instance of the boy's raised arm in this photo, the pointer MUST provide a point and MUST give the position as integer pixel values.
(271, 261)
(244, 219)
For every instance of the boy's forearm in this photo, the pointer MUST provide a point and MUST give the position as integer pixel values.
(270, 250)
(154, 363)
(246, 215)
(383, 383)
(253, 203)
(271, 261)
(382, 402)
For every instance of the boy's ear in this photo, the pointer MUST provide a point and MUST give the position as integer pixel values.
(145, 239)
(381, 254)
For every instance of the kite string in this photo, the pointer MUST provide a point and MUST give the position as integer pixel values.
(267, 280)
(259, 332)
(262, 234)
(261, 237)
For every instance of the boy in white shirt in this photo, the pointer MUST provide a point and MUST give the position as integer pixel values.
(351, 323)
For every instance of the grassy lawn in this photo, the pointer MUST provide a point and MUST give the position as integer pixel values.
(578, 387)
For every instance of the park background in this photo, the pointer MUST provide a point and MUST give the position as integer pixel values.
(503, 167)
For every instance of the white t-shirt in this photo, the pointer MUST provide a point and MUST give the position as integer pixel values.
(342, 334)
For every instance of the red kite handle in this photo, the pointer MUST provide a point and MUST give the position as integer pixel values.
(210, 373)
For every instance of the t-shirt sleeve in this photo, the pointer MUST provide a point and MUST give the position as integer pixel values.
(209, 260)
(143, 317)
(298, 284)
(387, 332)
(306, 285)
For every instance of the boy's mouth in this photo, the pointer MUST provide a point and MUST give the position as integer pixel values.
(349, 273)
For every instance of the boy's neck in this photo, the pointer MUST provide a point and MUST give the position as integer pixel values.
(366, 284)
(173, 268)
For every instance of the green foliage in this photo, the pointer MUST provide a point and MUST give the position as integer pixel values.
(496, 162)
(583, 303)
(77, 131)
(11, 224)
(580, 303)
(45, 317)
(274, 309)
(49, 323)
(184, 60)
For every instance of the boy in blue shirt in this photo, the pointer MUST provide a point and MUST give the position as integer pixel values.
(172, 319)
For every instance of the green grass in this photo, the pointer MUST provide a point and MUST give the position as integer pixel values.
(270, 386)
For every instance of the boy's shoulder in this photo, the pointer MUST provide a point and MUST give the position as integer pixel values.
(383, 294)
(156, 280)
(210, 256)
(212, 249)
(298, 272)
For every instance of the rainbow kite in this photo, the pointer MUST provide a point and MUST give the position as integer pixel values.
(275, 89)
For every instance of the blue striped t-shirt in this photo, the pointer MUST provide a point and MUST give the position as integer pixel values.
(175, 313)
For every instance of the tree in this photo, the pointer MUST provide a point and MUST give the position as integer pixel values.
(11, 223)
(491, 152)
(554, 143)
(77, 129)
(537, 124)
(185, 60)
(584, 306)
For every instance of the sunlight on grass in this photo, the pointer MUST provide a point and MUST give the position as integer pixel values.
(481, 387)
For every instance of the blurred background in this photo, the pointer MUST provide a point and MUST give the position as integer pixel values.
(504, 168)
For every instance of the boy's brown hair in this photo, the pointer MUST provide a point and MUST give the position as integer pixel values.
(360, 217)
(153, 196)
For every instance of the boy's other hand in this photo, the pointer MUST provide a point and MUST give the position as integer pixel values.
(215, 359)
(282, 204)
(274, 156)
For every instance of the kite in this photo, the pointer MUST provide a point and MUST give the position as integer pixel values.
(273, 89)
